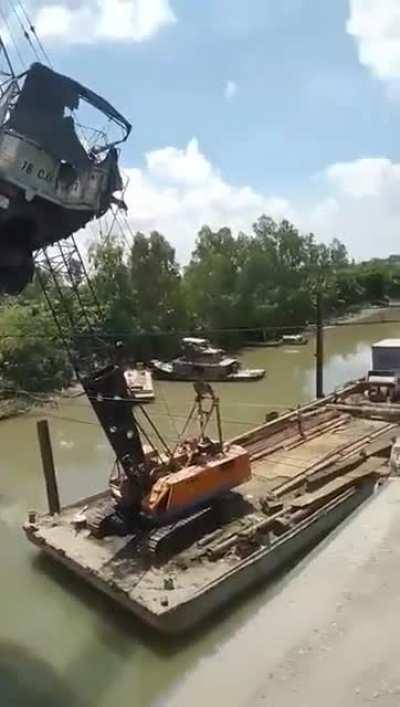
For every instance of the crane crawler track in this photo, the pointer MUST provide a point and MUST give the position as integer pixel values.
(166, 541)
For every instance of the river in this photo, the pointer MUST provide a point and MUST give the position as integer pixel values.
(64, 644)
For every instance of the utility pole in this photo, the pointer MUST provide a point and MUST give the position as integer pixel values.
(319, 347)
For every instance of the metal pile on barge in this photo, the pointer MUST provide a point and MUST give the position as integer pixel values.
(309, 470)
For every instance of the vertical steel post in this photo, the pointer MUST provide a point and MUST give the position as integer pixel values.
(219, 424)
(49, 471)
(319, 348)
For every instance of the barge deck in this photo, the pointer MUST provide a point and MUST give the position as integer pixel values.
(310, 469)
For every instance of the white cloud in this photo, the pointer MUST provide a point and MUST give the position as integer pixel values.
(361, 207)
(231, 89)
(87, 21)
(179, 190)
(184, 166)
(364, 177)
(375, 25)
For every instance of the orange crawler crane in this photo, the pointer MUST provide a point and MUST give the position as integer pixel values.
(198, 483)
(206, 469)
(190, 476)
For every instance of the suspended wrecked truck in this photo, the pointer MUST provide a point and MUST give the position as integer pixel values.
(52, 182)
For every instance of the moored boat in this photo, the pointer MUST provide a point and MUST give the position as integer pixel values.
(140, 383)
(294, 340)
(268, 343)
(202, 361)
(178, 370)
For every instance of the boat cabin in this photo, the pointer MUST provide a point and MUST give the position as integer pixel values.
(209, 370)
(386, 355)
(197, 349)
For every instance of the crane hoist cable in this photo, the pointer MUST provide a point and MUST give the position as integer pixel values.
(11, 36)
(25, 32)
(32, 29)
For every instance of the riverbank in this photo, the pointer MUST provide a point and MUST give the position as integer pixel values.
(11, 407)
(363, 315)
(366, 314)
(18, 404)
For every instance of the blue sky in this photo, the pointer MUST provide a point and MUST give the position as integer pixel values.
(303, 98)
(290, 107)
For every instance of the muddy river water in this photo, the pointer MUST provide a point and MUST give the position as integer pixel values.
(63, 644)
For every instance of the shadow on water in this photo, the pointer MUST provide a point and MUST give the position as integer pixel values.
(127, 630)
(28, 681)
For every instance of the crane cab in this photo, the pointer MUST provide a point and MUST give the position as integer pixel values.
(53, 178)
(195, 485)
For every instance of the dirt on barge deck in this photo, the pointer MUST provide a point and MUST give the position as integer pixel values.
(310, 469)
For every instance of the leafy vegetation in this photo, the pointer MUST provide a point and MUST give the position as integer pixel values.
(30, 356)
(235, 288)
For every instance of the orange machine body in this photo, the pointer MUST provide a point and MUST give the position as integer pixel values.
(190, 487)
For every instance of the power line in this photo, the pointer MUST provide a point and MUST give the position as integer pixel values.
(172, 416)
(236, 403)
(214, 330)
(64, 401)
(63, 418)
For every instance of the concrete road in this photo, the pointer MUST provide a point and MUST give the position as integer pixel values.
(330, 637)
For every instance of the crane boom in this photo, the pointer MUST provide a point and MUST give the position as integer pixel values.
(94, 358)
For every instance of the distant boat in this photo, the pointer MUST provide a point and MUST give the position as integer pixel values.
(286, 340)
(294, 340)
(202, 361)
(268, 343)
(140, 383)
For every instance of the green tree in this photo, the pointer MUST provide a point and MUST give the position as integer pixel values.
(210, 280)
(338, 254)
(31, 356)
(260, 280)
(155, 282)
(111, 281)
(157, 293)
(374, 281)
